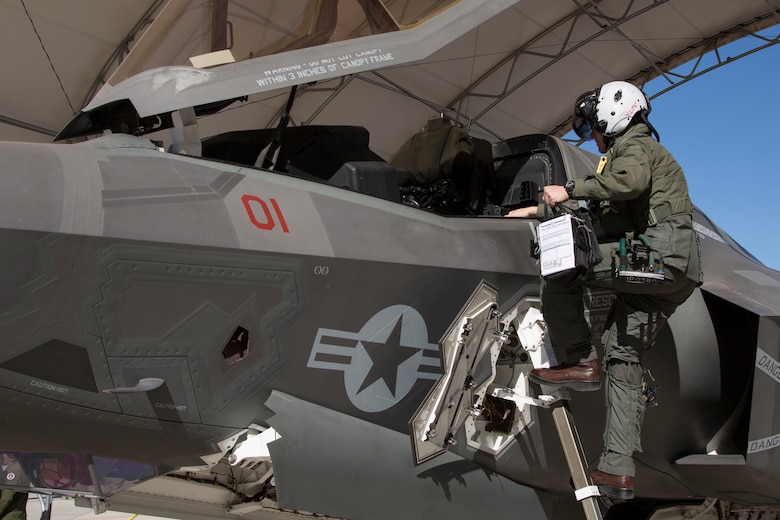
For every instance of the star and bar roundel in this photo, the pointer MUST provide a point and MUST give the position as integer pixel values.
(383, 360)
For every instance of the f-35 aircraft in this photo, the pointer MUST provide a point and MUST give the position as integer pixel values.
(225, 295)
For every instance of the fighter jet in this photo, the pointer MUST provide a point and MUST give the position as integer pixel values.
(230, 288)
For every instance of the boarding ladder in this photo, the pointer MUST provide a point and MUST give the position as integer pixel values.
(557, 401)
(531, 331)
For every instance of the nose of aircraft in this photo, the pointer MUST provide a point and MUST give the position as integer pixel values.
(32, 184)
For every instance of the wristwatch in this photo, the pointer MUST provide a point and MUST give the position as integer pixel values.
(569, 186)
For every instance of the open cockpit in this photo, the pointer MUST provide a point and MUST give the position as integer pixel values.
(441, 168)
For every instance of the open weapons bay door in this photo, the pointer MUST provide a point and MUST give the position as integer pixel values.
(470, 349)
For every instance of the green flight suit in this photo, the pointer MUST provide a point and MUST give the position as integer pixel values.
(640, 175)
(13, 504)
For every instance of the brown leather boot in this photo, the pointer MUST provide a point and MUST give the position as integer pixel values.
(619, 487)
(584, 377)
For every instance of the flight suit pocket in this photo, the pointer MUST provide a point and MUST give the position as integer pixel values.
(661, 237)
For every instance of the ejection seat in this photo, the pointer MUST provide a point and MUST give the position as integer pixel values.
(443, 169)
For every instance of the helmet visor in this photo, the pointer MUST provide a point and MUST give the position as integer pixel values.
(584, 121)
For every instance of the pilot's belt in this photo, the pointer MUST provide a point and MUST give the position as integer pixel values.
(661, 213)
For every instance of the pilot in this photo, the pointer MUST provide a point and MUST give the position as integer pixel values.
(13, 503)
(638, 188)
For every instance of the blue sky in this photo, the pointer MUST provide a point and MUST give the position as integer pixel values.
(724, 129)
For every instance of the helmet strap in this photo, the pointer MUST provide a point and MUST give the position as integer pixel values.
(643, 118)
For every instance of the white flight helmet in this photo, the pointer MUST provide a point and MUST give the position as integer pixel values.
(609, 109)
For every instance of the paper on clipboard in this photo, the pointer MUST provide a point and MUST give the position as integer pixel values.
(556, 245)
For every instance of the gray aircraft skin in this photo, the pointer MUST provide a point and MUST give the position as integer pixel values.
(193, 336)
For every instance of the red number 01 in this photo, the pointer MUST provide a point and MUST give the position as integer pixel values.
(269, 223)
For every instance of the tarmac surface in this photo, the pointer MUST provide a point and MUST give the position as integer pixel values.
(66, 509)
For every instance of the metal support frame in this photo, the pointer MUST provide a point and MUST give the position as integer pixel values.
(27, 126)
(46, 501)
(589, 14)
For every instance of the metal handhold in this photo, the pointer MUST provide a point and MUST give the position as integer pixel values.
(146, 384)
